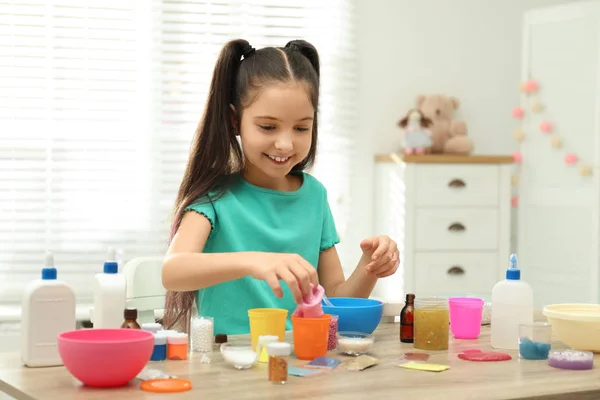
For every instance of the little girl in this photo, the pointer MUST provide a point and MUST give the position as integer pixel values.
(251, 228)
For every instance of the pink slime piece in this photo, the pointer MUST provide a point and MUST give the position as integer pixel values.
(311, 306)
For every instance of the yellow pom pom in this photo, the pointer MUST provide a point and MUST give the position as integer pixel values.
(555, 142)
(537, 106)
(585, 170)
(518, 135)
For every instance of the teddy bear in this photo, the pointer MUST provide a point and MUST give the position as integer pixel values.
(448, 135)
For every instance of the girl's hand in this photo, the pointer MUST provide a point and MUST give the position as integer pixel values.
(382, 255)
(290, 268)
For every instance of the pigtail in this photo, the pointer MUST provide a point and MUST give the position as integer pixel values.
(298, 64)
(214, 154)
(307, 50)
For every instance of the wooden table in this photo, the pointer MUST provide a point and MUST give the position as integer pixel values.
(464, 380)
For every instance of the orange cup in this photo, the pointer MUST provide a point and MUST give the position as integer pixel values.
(310, 336)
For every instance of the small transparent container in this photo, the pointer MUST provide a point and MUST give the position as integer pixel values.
(333, 330)
(535, 340)
(202, 334)
(431, 324)
(240, 356)
(355, 343)
(279, 353)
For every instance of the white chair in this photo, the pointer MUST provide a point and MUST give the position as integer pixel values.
(144, 287)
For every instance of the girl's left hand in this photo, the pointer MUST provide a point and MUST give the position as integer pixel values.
(382, 254)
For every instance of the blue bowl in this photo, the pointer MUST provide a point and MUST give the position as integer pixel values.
(356, 314)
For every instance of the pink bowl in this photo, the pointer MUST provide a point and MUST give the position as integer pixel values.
(105, 357)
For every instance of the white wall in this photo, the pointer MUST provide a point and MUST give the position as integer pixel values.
(467, 48)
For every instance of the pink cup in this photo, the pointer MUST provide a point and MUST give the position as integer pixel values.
(465, 317)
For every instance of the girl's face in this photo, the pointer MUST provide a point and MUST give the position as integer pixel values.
(276, 133)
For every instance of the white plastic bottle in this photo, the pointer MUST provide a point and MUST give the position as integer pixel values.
(48, 309)
(512, 305)
(110, 296)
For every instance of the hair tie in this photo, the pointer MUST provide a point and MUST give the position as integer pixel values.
(248, 51)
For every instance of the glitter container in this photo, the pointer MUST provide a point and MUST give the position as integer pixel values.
(333, 329)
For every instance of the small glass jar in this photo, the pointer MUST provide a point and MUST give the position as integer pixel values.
(535, 340)
(431, 324)
(202, 333)
(278, 361)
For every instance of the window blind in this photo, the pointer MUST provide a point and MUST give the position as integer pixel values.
(100, 103)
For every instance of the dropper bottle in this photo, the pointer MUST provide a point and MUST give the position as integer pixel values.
(512, 305)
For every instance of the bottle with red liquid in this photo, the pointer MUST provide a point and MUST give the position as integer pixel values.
(407, 317)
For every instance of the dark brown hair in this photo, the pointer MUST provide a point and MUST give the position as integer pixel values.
(215, 155)
(425, 121)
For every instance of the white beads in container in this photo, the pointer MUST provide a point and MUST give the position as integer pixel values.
(202, 332)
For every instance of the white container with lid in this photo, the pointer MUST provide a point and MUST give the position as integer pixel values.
(110, 296)
(280, 349)
(261, 346)
(159, 339)
(48, 309)
(153, 327)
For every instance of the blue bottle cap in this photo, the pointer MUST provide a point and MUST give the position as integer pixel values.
(513, 272)
(49, 272)
(111, 267)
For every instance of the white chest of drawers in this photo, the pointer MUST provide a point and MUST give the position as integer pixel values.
(451, 216)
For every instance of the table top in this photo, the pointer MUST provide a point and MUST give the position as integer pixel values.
(512, 379)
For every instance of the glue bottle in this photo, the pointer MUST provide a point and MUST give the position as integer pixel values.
(512, 305)
(48, 309)
(110, 295)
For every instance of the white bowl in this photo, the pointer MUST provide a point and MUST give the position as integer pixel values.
(239, 356)
(576, 325)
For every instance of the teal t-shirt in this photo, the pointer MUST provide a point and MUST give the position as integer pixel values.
(251, 218)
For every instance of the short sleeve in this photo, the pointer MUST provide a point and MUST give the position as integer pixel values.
(329, 235)
(204, 206)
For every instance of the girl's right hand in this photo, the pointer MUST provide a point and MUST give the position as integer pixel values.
(290, 268)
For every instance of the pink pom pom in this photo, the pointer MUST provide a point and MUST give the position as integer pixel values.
(518, 112)
(570, 159)
(514, 202)
(545, 127)
(517, 157)
(531, 86)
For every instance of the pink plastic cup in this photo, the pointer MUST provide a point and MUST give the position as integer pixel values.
(465, 317)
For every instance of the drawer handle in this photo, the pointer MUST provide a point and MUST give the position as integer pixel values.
(457, 227)
(457, 183)
(456, 270)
